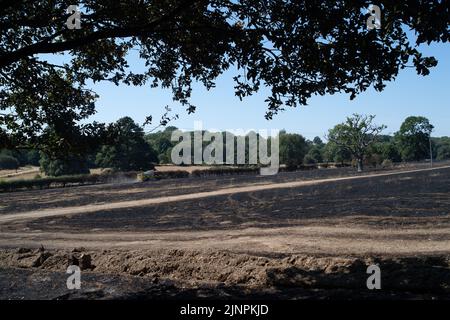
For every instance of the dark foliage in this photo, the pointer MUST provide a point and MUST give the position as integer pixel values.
(296, 49)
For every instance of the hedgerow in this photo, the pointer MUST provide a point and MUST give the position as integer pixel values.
(220, 171)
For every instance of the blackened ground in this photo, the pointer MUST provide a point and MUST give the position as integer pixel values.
(73, 196)
(401, 201)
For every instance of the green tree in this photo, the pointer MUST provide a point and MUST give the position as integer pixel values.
(443, 148)
(390, 151)
(356, 135)
(25, 157)
(129, 151)
(316, 152)
(414, 138)
(8, 162)
(318, 142)
(293, 148)
(297, 49)
(161, 142)
(314, 155)
(32, 157)
(334, 153)
(384, 149)
(70, 165)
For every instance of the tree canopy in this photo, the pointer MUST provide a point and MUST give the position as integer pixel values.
(414, 138)
(443, 148)
(293, 148)
(129, 150)
(8, 162)
(295, 48)
(69, 165)
(356, 135)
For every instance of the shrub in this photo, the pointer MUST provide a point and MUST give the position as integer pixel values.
(111, 176)
(374, 160)
(313, 156)
(171, 174)
(309, 159)
(289, 168)
(342, 165)
(387, 163)
(49, 182)
(308, 167)
(107, 171)
(157, 175)
(71, 165)
(220, 171)
(8, 162)
(145, 176)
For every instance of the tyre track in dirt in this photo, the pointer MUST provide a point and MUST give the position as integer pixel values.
(85, 209)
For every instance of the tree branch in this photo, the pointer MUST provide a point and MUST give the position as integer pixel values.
(120, 32)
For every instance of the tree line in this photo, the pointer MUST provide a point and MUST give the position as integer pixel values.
(357, 141)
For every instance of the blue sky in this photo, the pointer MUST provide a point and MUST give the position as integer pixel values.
(409, 94)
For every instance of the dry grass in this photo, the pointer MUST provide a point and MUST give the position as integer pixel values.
(28, 172)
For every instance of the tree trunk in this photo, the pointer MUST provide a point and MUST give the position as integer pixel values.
(360, 165)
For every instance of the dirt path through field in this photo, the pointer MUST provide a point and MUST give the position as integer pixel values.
(226, 191)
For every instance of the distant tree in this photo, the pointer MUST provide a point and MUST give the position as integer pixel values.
(334, 153)
(414, 138)
(129, 150)
(443, 152)
(390, 151)
(8, 162)
(161, 142)
(314, 155)
(443, 148)
(293, 148)
(384, 149)
(356, 135)
(32, 157)
(25, 157)
(70, 165)
(318, 142)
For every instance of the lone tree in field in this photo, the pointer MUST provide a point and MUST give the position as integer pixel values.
(356, 135)
(414, 138)
(296, 49)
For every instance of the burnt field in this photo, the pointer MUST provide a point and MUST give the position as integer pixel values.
(418, 199)
(295, 235)
(50, 198)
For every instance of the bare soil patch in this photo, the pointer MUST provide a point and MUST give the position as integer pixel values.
(178, 274)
